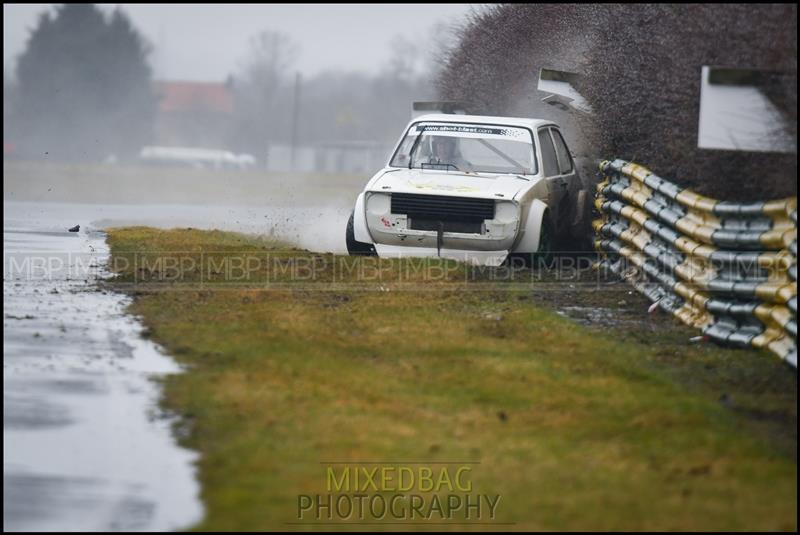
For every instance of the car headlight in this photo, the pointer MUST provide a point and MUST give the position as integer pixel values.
(505, 212)
(379, 203)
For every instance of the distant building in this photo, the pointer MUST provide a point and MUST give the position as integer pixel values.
(193, 114)
(194, 125)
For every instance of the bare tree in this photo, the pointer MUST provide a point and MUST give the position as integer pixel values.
(404, 57)
(262, 76)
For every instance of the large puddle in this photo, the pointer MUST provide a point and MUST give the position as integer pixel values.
(85, 446)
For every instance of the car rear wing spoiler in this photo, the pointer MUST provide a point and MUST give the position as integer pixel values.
(439, 106)
(561, 86)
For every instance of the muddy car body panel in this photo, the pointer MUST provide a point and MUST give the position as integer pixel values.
(474, 188)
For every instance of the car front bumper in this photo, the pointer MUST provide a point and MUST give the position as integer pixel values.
(397, 230)
(480, 258)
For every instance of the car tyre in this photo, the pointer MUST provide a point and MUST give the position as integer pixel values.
(543, 257)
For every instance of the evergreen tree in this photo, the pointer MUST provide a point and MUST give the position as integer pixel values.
(84, 87)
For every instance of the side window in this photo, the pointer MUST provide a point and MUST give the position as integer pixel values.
(564, 157)
(549, 160)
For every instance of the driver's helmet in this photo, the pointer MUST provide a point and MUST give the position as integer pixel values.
(444, 147)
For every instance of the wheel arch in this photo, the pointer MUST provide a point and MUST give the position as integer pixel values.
(360, 230)
(532, 227)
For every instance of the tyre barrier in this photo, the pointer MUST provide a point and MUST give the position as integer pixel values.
(726, 268)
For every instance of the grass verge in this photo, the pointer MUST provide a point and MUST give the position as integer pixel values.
(625, 426)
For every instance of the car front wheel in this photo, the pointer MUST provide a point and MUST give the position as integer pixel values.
(543, 257)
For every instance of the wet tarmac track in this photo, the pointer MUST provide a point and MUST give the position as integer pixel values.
(85, 445)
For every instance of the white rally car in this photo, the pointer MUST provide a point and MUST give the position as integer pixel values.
(473, 188)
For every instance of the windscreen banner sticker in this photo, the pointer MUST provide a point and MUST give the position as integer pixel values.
(470, 130)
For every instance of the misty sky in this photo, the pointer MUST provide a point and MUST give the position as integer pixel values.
(208, 42)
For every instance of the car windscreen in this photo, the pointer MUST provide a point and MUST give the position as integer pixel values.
(467, 148)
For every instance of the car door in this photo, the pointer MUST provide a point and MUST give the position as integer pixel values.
(576, 212)
(565, 164)
(557, 184)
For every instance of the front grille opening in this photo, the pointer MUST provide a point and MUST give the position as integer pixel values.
(464, 227)
(442, 208)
